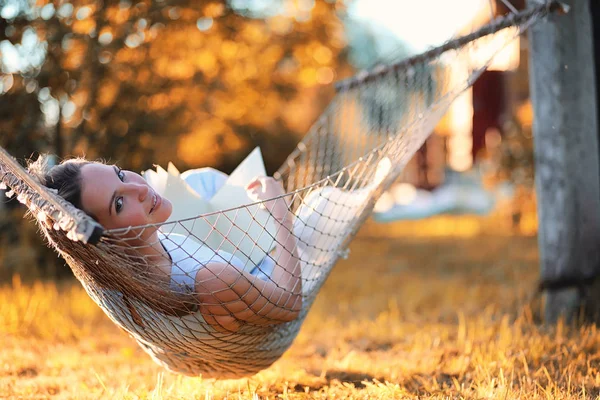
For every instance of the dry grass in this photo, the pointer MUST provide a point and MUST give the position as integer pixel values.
(404, 317)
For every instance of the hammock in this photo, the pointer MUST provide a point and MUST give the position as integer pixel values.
(332, 180)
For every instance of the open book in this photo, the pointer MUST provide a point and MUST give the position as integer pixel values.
(247, 232)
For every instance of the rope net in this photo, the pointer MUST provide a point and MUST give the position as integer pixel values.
(240, 281)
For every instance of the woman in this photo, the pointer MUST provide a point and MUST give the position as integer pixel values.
(231, 335)
(226, 295)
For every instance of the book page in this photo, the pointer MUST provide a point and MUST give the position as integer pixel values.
(247, 232)
(186, 202)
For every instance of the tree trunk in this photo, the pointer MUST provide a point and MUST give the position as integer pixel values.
(595, 13)
(563, 90)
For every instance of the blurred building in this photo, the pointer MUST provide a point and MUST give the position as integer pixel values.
(474, 122)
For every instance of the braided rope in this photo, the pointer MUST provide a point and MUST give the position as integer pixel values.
(46, 205)
(513, 19)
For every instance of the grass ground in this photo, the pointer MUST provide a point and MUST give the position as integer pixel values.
(408, 315)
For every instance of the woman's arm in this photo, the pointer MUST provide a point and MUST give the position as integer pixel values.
(228, 296)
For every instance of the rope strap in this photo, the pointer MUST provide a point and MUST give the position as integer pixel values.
(566, 282)
(522, 17)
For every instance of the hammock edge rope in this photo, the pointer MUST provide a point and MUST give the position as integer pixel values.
(75, 223)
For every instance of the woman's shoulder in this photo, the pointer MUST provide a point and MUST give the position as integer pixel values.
(180, 246)
(174, 238)
(187, 252)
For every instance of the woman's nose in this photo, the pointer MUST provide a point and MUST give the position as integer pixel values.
(140, 190)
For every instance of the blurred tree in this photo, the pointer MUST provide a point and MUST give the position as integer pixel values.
(144, 82)
(150, 82)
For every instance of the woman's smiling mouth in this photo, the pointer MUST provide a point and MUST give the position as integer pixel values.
(156, 200)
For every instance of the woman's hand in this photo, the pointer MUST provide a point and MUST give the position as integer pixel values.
(263, 188)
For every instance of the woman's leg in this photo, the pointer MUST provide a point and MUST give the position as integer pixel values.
(325, 218)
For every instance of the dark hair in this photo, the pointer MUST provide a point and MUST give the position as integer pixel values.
(64, 177)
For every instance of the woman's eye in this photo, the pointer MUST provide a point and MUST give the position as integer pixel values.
(118, 204)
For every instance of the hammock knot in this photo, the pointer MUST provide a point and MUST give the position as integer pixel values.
(344, 253)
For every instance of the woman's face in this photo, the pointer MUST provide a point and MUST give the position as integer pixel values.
(119, 199)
